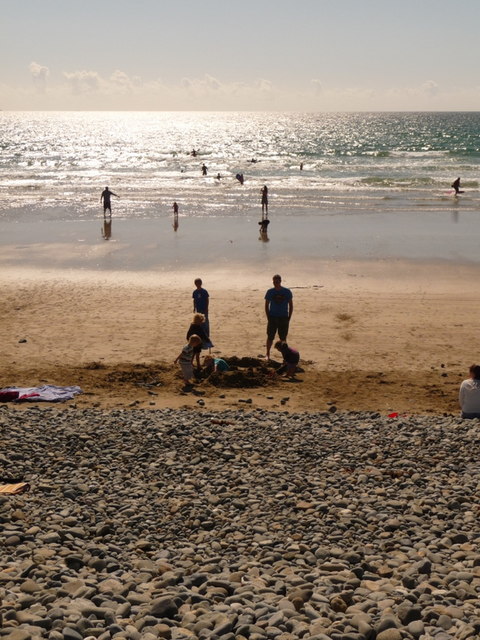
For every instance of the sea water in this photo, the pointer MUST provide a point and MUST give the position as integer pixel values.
(55, 164)
(333, 178)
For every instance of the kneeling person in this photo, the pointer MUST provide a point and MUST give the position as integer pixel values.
(214, 365)
(291, 358)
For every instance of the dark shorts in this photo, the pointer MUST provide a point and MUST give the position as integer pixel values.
(277, 324)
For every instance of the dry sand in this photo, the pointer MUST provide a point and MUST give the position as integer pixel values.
(381, 336)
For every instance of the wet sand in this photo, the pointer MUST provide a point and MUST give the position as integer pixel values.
(221, 242)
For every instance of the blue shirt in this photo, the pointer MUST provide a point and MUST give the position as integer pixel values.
(200, 297)
(278, 302)
(221, 364)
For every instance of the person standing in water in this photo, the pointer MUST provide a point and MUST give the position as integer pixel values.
(456, 186)
(204, 169)
(264, 202)
(175, 216)
(107, 204)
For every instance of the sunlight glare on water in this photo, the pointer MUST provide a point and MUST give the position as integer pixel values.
(57, 163)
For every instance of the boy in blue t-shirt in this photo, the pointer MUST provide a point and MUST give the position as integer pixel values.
(200, 303)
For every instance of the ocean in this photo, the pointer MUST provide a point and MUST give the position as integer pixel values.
(55, 164)
(345, 171)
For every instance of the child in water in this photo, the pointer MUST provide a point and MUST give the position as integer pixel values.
(291, 358)
(185, 357)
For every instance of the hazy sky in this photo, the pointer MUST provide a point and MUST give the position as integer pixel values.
(303, 55)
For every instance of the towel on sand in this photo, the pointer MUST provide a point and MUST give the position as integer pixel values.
(45, 393)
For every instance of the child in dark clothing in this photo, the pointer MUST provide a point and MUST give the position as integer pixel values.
(197, 328)
(291, 358)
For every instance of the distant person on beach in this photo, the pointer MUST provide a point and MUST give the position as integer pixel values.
(107, 204)
(194, 153)
(185, 358)
(175, 216)
(198, 328)
(291, 358)
(240, 178)
(456, 186)
(278, 309)
(214, 365)
(301, 166)
(469, 395)
(218, 176)
(201, 301)
(204, 169)
(265, 201)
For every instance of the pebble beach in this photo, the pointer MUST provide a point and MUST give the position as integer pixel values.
(182, 524)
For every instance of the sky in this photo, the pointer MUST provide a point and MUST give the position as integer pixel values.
(274, 55)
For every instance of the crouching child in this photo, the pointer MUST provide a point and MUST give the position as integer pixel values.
(291, 358)
(212, 365)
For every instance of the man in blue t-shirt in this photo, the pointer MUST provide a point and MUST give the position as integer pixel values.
(278, 309)
(200, 303)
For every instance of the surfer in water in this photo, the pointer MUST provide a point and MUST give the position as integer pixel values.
(456, 186)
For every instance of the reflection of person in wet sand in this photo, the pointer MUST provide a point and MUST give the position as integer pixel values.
(107, 204)
(107, 228)
(265, 202)
(264, 229)
(175, 216)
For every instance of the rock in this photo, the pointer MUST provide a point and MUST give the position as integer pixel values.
(163, 608)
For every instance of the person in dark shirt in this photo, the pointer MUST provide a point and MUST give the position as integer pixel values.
(291, 358)
(278, 309)
(107, 204)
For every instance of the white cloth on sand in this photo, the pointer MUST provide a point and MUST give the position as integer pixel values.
(45, 393)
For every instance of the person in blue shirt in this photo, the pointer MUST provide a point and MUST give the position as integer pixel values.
(201, 302)
(278, 309)
(211, 365)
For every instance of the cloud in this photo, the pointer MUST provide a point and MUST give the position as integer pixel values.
(430, 88)
(120, 81)
(317, 86)
(39, 75)
(81, 82)
(90, 90)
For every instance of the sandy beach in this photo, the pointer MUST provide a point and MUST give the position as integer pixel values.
(387, 336)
